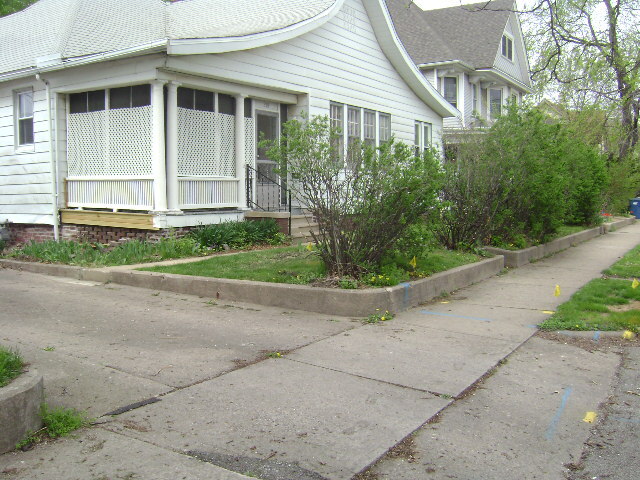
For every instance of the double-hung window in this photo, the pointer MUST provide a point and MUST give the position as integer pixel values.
(369, 130)
(495, 102)
(450, 90)
(423, 136)
(385, 127)
(507, 47)
(336, 119)
(24, 117)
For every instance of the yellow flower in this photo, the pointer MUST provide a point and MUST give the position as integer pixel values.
(382, 318)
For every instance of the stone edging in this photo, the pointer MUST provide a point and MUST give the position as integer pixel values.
(517, 258)
(20, 409)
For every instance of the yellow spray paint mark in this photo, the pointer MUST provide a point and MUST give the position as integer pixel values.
(635, 283)
(446, 301)
(548, 312)
(413, 262)
(628, 335)
(310, 247)
(557, 291)
(590, 417)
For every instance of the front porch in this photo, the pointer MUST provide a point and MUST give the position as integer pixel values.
(163, 149)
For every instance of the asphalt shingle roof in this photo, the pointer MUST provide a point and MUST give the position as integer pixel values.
(470, 33)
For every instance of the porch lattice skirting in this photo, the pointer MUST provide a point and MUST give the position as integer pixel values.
(110, 161)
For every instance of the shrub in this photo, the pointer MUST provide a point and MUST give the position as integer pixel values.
(363, 203)
(238, 234)
(11, 364)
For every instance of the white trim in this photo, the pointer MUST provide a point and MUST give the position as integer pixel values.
(399, 58)
(196, 46)
(429, 65)
(506, 78)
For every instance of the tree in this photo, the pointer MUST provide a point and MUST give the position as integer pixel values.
(362, 205)
(8, 7)
(589, 52)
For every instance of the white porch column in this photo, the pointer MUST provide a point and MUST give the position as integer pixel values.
(241, 171)
(172, 147)
(157, 147)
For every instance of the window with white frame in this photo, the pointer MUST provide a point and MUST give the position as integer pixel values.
(130, 97)
(507, 47)
(84, 102)
(450, 90)
(24, 117)
(474, 99)
(385, 127)
(423, 136)
(495, 102)
(369, 128)
(336, 119)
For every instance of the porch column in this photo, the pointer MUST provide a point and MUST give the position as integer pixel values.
(172, 147)
(241, 172)
(157, 147)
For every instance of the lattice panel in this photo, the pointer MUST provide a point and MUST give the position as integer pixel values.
(86, 142)
(130, 139)
(206, 144)
(250, 142)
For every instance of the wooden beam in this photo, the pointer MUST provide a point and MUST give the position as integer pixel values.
(140, 221)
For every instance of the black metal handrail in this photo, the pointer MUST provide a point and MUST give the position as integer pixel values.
(270, 194)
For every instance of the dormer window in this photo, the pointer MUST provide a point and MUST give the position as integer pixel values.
(507, 47)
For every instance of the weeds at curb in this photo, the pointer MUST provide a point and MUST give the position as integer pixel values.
(58, 422)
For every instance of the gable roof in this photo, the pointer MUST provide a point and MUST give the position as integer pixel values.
(467, 33)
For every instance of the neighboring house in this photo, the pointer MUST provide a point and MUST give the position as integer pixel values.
(473, 54)
(125, 116)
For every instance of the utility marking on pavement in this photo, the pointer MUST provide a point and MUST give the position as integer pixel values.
(428, 312)
(406, 286)
(532, 326)
(596, 336)
(548, 312)
(551, 430)
(626, 420)
(590, 417)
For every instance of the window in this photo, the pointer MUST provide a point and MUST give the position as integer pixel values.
(24, 117)
(385, 127)
(196, 99)
(226, 104)
(336, 117)
(450, 90)
(369, 134)
(129, 97)
(474, 99)
(507, 47)
(423, 132)
(495, 102)
(84, 102)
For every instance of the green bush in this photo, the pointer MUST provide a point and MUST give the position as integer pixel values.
(363, 199)
(11, 364)
(238, 234)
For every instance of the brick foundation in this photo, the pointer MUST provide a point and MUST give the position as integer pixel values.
(23, 233)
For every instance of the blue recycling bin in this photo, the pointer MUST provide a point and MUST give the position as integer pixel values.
(634, 207)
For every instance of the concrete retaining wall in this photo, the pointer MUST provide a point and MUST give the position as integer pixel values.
(20, 409)
(517, 258)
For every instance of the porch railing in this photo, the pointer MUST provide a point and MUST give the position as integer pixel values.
(194, 192)
(267, 194)
(133, 193)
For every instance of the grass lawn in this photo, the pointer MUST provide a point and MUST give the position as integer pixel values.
(295, 265)
(11, 364)
(628, 266)
(602, 304)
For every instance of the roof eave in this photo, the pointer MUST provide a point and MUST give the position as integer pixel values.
(398, 56)
(507, 78)
(195, 46)
(464, 65)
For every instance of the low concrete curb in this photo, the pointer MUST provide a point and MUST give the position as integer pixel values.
(331, 301)
(19, 409)
(517, 258)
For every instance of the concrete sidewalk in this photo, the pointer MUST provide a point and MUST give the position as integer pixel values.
(336, 401)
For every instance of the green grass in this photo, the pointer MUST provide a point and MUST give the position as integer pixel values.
(11, 364)
(589, 308)
(628, 266)
(58, 422)
(298, 265)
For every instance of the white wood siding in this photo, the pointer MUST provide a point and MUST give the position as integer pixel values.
(516, 68)
(25, 176)
(340, 61)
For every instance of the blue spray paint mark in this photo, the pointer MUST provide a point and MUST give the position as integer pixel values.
(428, 312)
(596, 336)
(533, 326)
(551, 430)
(406, 293)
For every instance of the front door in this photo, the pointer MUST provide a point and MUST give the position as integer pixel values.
(267, 180)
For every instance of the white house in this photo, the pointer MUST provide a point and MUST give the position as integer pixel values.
(473, 54)
(133, 116)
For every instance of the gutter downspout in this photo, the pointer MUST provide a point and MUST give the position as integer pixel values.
(53, 159)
